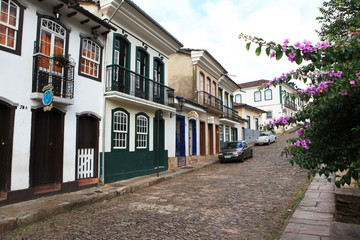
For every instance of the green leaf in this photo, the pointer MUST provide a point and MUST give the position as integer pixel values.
(248, 46)
(258, 50)
(279, 54)
(267, 51)
(298, 58)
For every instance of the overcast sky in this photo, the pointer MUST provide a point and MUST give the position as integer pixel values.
(215, 25)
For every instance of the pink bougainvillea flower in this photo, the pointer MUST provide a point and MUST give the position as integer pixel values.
(272, 54)
(352, 83)
(343, 92)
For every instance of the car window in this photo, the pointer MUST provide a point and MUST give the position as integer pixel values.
(264, 134)
(234, 145)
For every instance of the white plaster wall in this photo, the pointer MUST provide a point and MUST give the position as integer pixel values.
(17, 86)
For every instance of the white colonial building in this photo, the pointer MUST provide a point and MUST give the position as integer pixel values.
(274, 100)
(135, 140)
(50, 97)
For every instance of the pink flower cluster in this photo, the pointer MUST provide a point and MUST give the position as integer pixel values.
(304, 143)
(313, 90)
(281, 120)
(300, 132)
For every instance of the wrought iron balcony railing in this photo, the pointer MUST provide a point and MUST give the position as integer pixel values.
(47, 71)
(290, 104)
(231, 114)
(126, 81)
(207, 99)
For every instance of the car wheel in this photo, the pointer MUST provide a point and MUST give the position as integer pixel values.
(221, 161)
(251, 154)
(241, 158)
(269, 142)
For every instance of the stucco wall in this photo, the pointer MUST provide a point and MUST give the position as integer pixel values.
(181, 75)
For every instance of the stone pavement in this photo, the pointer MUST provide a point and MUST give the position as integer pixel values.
(14, 215)
(313, 218)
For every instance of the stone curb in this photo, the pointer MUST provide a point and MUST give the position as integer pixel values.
(70, 201)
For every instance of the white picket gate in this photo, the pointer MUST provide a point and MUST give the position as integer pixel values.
(85, 163)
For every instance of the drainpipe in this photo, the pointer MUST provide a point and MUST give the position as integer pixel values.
(104, 110)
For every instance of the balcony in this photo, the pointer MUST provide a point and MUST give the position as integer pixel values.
(123, 80)
(230, 114)
(290, 105)
(46, 71)
(211, 101)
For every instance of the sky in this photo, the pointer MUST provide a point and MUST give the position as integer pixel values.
(215, 25)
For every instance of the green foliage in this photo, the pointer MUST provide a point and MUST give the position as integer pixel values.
(331, 140)
(338, 17)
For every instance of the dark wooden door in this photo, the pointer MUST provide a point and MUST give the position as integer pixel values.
(202, 138)
(6, 139)
(47, 147)
(159, 142)
(88, 138)
(211, 139)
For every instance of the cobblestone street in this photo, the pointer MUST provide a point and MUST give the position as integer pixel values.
(248, 200)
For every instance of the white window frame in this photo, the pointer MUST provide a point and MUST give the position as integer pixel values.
(237, 98)
(7, 25)
(266, 93)
(142, 129)
(227, 134)
(268, 114)
(88, 60)
(120, 129)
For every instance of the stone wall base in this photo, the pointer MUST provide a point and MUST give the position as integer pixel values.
(347, 205)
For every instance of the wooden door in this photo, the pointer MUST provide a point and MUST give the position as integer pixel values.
(202, 139)
(211, 139)
(87, 142)
(47, 139)
(6, 140)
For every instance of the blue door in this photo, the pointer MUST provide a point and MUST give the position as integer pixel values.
(180, 135)
(192, 137)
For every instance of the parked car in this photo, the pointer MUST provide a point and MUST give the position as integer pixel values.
(265, 138)
(235, 151)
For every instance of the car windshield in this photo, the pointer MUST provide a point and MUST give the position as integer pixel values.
(264, 134)
(234, 145)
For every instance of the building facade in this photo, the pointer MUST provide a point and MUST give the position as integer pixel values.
(50, 99)
(201, 84)
(274, 100)
(253, 115)
(138, 115)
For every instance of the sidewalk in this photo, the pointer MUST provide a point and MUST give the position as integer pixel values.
(313, 217)
(14, 215)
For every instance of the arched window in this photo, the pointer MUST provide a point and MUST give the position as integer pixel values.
(90, 58)
(142, 131)
(120, 129)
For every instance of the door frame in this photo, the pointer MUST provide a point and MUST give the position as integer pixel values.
(202, 138)
(96, 148)
(59, 165)
(10, 135)
(211, 138)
